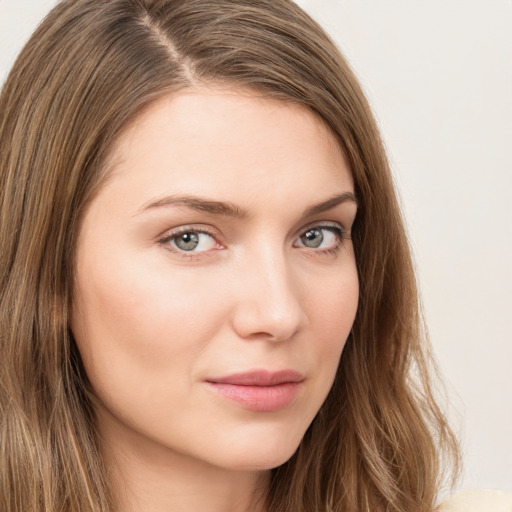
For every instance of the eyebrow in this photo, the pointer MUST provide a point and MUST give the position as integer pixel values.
(228, 209)
(345, 197)
(201, 205)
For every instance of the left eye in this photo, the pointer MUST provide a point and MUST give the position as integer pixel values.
(320, 237)
(193, 241)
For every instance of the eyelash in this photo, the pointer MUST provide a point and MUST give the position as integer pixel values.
(165, 241)
(340, 233)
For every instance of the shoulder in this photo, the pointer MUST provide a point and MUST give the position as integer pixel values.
(478, 500)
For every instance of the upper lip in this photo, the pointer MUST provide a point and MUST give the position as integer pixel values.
(259, 378)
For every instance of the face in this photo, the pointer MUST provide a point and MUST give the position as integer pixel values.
(215, 280)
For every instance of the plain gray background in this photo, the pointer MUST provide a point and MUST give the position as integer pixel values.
(439, 77)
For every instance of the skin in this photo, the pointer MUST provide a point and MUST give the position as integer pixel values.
(153, 322)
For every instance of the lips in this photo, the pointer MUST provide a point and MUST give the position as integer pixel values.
(260, 390)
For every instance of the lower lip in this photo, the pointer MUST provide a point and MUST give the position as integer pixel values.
(259, 398)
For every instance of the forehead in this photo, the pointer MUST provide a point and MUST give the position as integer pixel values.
(220, 143)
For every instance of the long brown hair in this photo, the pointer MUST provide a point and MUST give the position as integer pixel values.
(379, 441)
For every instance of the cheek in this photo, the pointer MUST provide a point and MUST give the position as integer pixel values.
(333, 305)
(142, 317)
(331, 309)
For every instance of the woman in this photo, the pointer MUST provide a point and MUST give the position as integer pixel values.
(208, 300)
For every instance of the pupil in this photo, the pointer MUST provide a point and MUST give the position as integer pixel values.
(313, 238)
(187, 241)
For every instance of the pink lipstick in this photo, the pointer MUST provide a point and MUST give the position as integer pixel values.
(260, 390)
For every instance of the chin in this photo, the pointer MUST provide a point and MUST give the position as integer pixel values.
(260, 452)
(259, 462)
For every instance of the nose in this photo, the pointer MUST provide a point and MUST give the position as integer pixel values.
(269, 303)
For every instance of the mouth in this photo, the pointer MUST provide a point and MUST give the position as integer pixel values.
(260, 390)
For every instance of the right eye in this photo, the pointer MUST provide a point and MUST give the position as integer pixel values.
(191, 241)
